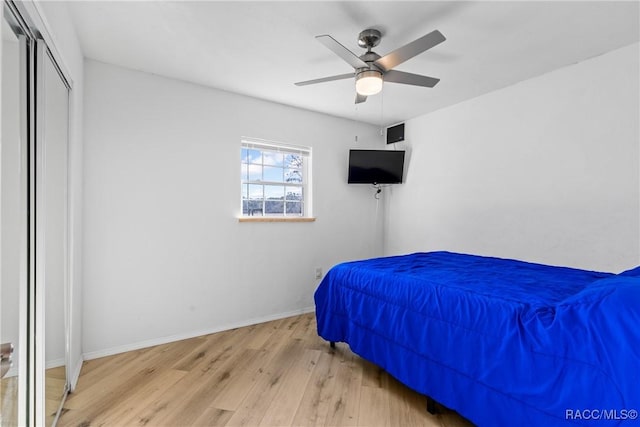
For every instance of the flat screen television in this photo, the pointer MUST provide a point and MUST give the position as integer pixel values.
(375, 166)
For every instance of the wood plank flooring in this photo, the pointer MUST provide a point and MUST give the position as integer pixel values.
(278, 373)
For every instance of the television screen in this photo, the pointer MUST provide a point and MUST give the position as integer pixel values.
(395, 133)
(375, 166)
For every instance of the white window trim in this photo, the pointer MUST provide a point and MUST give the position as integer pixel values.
(306, 185)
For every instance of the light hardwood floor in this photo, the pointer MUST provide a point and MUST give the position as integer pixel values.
(278, 373)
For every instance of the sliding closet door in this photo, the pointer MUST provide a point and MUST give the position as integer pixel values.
(34, 256)
(14, 249)
(52, 115)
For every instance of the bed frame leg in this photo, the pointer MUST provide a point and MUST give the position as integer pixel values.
(431, 406)
(332, 344)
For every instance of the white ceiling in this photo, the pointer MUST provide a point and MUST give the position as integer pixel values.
(261, 48)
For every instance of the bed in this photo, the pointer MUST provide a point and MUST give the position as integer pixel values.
(503, 342)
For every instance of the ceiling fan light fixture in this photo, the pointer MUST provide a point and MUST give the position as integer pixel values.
(369, 82)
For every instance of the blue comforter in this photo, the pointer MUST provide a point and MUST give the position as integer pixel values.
(502, 342)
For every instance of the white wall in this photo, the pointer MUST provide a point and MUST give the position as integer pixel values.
(165, 256)
(546, 170)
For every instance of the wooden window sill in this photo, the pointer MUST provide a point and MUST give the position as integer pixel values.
(275, 219)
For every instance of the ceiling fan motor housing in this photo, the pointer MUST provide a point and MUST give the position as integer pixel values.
(369, 57)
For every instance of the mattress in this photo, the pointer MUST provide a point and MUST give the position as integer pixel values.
(503, 342)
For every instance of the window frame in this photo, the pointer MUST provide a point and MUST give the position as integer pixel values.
(265, 146)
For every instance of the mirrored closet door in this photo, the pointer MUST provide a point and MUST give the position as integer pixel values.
(13, 226)
(52, 102)
(34, 254)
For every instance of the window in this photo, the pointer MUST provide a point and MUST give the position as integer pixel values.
(275, 179)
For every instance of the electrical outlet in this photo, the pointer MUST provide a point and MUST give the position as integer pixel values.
(318, 273)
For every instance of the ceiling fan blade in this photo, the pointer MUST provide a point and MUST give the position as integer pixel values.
(344, 53)
(360, 98)
(410, 50)
(395, 76)
(325, 79)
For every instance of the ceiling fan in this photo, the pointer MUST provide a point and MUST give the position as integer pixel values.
(370, 69)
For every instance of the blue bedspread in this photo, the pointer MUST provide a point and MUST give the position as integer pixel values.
(503, 342)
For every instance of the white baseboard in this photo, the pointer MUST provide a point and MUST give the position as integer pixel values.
(179, 337)
(54, 363)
